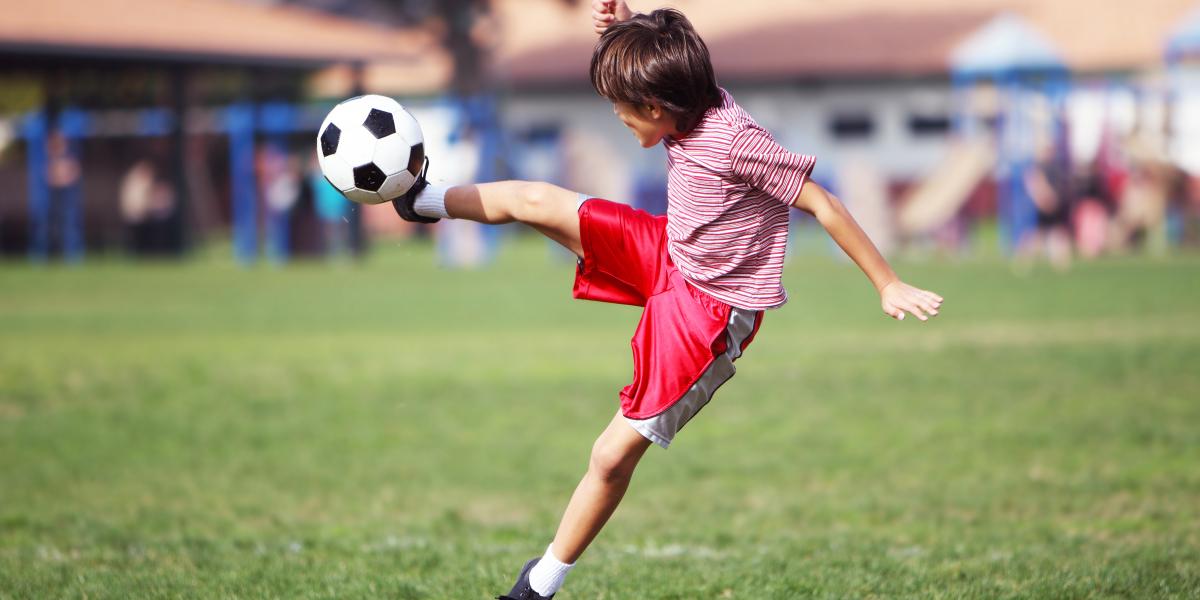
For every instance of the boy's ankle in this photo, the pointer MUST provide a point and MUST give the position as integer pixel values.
(431, 202)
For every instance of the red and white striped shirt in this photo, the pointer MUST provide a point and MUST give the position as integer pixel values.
(729, 191)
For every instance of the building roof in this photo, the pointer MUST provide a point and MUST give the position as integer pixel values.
(549, 42)
(205, 31)
(1107, 36)
(761, 39)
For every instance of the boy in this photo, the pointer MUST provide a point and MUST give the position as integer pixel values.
(704, 273)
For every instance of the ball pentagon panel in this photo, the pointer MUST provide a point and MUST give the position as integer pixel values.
(368, 177)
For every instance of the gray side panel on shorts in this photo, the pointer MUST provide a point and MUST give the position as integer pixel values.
(661, 428)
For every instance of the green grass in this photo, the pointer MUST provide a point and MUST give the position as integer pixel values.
(395, 430)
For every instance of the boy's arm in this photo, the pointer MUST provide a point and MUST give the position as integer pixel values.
(896, 297)
(607, 12)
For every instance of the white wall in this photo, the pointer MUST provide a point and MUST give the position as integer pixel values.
(798, 116)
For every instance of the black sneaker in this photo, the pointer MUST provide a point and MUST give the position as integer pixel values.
(404, 204)
(521, 590)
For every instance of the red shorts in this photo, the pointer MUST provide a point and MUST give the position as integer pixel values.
(686, 341)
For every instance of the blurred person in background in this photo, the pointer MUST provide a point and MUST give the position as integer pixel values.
(147, 204)
(1093, 205)
(279, 174)
(1152, 182)
(135, 198)
(61, 217)
(1190, 235)
(332, 209)
(1048, 181)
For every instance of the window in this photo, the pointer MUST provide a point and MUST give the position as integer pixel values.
(928, 125)
(852, 126)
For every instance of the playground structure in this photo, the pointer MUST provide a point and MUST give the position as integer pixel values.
(1010, 84)
(1182, 57)
(221, 68)
(244, 125)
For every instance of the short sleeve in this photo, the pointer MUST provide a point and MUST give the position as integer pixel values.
(766, 166)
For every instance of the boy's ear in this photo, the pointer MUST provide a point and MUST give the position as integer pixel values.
(654, 111)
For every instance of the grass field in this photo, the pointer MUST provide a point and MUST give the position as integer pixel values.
(398, 431)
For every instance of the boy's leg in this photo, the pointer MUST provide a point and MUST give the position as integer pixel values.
(548, 208)
(614, 456)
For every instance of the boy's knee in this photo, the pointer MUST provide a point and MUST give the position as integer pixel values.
(610, 462)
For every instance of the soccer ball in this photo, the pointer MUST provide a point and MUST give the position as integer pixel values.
(370, 149)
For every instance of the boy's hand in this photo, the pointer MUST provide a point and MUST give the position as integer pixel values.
(607, 12)
(899, 297)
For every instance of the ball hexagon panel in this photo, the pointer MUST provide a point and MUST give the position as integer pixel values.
(362, 196)
(350, 113)
(337, 172)
(368, 177)
(329, 139)
(380, 123)
(407, 127)
(395, 185)
(384, 103)
(391, 154)
(357, 146)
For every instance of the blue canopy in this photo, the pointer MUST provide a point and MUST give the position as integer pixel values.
(1005, 45)
(1184, 40)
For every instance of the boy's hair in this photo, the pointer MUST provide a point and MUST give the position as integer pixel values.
(657, 59)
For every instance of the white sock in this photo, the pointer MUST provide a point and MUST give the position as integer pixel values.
(548, 574)
(431, 202)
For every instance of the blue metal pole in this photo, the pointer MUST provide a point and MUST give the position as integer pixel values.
(239, 120)
(35, 130)
(72, 123)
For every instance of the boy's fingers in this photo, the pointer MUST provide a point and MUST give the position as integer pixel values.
(929, 307)
(917, 311)
(919, 305)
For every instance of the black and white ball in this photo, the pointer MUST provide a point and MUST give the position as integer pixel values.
(371, 149)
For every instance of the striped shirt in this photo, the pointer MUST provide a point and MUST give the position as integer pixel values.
(729, 189)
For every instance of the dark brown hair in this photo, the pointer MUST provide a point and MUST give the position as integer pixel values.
(657, 59)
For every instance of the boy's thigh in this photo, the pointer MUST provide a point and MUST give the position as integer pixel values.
(624, 253)
(558, 216)
(675, 376)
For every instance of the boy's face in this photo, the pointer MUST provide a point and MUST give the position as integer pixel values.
(649, 123)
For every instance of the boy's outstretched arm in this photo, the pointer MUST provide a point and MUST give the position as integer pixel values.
(896, 296)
